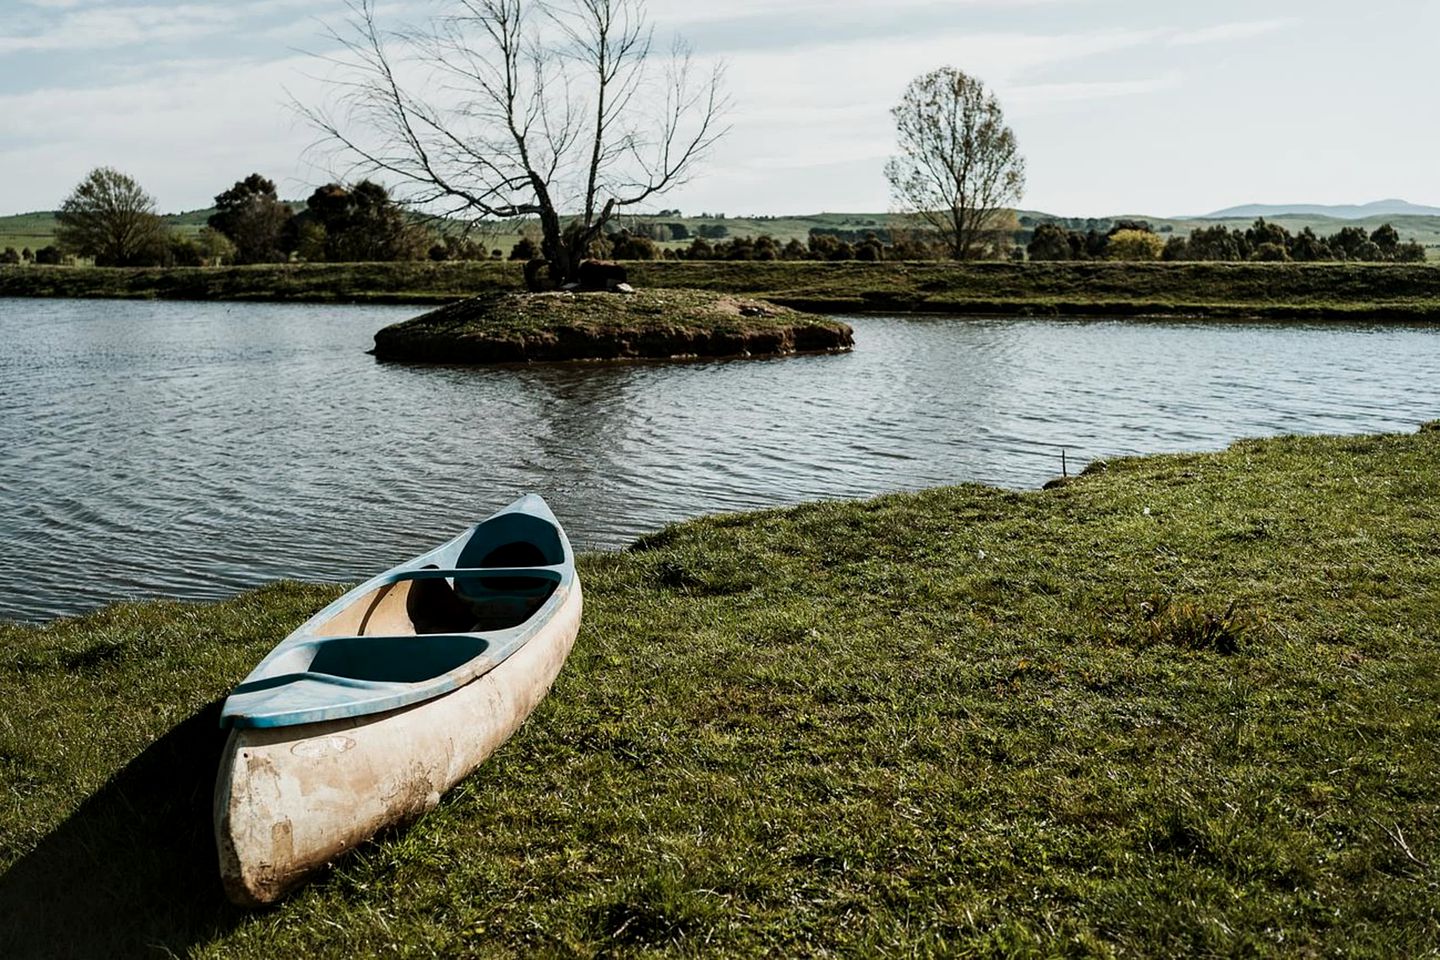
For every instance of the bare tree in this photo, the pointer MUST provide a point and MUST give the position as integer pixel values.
(554, 109)
(959, 167)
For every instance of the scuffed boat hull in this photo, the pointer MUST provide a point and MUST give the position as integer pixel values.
(289, 800)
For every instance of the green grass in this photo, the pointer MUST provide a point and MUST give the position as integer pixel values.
(514, 327)
(36, 230)
(1281, 291)
(1182, 706)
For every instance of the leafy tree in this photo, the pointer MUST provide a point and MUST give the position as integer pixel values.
(1215, 243)
(184, 252)
(215, 247)
(1410, 252)
(110, 218)
(1349, 243)
(1270, 251)
(870, 249)
(1370, 252)
(1049, 242)
(958, 165)
(252, 216)
(1387, 238)
(1262, 233)
(1176, 248)
(524, 249)
(826, 246)
(545, 108)
(700, 249)
(1306, 246)
(1094, 243)
(740, 248)
(1143, 226)
(629, 246)
(766, 248)
(1134, 245)
(794, 250)
(362, 223)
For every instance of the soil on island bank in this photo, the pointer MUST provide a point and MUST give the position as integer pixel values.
(654, 324)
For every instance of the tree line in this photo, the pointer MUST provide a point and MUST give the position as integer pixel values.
(822, 243)
(110, 219)
(1136, 240)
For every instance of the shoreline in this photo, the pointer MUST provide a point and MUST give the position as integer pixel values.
(1298, 292)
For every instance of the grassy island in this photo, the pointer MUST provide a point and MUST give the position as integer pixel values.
(1180, 705)
(519, 327)
(1282, 291)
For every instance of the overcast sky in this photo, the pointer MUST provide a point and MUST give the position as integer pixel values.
(1120, 106)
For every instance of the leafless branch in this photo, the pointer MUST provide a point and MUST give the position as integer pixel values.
(511, 108)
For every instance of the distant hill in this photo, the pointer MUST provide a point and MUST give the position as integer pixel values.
(1376, 208)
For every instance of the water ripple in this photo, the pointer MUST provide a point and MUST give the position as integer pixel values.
(193, 450)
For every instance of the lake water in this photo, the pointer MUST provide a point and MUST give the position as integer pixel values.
(193, 450)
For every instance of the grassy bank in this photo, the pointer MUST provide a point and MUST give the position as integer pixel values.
(1282, 291)
(650, 323)
(1184, 705)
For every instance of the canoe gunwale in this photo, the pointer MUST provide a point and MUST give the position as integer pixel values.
(388, 695)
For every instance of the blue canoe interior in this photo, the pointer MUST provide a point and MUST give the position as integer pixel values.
(419, 630)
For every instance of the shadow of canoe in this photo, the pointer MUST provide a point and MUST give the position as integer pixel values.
(133, 871)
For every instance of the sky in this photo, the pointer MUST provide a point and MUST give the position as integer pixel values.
(1119, 106)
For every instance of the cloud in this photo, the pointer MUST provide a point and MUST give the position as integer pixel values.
(1228, 32)
(682, 12)
(1040, 94)
(96, 28)
(109, 27)
(185, 132)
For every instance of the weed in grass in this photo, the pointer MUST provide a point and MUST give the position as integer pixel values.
(1192, 626)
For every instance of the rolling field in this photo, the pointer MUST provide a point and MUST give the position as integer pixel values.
(38, 229)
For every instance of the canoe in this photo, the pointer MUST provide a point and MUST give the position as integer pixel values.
(378, 704)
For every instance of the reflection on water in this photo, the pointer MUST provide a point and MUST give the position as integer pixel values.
(192, 450)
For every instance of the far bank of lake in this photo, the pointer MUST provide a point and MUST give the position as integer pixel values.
(195, 450)
(1288, 291)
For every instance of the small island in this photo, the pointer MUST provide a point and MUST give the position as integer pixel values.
(644, 324)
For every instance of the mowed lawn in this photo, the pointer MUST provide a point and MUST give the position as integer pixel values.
(1185, 705)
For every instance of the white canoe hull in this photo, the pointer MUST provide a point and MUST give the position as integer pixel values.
(288, 800)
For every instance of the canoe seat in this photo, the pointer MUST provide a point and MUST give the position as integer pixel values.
(483, 598)
(401, 659)
(433, 607)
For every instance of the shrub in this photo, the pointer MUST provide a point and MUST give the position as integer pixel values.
(629, 246)
(1134, 245)
(1049, 242)
(1271, 252)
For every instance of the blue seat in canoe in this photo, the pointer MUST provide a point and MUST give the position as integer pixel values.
(509, 540)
